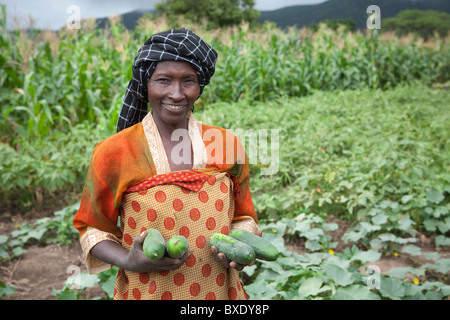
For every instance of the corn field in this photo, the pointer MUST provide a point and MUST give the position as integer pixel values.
(52, 80)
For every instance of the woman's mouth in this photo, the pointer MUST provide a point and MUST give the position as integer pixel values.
(173, 107)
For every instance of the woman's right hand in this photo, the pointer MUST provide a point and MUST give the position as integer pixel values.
(137, 261)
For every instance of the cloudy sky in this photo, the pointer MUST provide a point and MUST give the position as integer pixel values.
(53, 14)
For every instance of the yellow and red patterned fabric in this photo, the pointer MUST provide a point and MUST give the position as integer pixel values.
(196, 210)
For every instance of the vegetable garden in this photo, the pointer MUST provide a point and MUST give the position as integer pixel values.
(363, 174)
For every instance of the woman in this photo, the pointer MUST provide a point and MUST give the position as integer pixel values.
(164, 170)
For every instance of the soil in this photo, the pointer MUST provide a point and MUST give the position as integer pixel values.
(44, 268)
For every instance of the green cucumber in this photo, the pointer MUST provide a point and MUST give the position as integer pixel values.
(264, 250)
(177, 246)
(154, 245)
(233, 249)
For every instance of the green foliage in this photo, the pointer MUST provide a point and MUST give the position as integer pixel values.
(273, 64)
(76, 285)
(354, 154)
(318, 274)
(53, 84)
(425, 23)
(334, 24)
(51, 81)
(57, 229)
(6, 289)
(362, 137)
(390, 225)
(56, 162)
(216, 13)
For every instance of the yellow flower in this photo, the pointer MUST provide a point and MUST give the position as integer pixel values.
(395, 254)
(331, 251)
(416, 281)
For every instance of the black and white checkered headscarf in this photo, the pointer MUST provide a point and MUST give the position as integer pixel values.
(173, 45)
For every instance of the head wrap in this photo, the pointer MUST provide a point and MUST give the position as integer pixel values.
(173, 45)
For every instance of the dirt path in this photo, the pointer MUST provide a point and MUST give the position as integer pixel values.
(42, 269)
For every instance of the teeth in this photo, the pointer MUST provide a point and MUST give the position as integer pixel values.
(174, 107)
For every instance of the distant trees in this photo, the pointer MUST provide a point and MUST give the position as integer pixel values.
(218, 13)
(221, 13)
(422, 22)
(425, 23)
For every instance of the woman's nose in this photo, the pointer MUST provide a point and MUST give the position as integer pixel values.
(176, 91)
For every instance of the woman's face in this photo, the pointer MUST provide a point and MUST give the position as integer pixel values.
(172, 90)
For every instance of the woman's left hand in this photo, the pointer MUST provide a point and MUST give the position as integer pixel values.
(222, 259)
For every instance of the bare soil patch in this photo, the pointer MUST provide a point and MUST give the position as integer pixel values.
(42, 269)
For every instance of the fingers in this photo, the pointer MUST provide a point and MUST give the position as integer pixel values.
(237, 266)
(221, 258)
(168, 263)
(140, 238)
(184, 258)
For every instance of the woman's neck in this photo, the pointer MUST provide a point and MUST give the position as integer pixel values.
(182, 159)
(166, 130)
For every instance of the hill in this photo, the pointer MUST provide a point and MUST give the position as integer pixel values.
(304, 15)
(129, 19)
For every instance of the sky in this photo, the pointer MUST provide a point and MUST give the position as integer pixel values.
(53, 14)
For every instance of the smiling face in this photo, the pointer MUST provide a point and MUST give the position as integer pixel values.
(172, 90)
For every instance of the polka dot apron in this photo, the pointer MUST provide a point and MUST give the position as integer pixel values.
(175, 209)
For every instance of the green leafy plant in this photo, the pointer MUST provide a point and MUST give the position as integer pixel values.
(56, 229)
(45, 166)
(6, 289)
(336, 276)
(75, 286)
